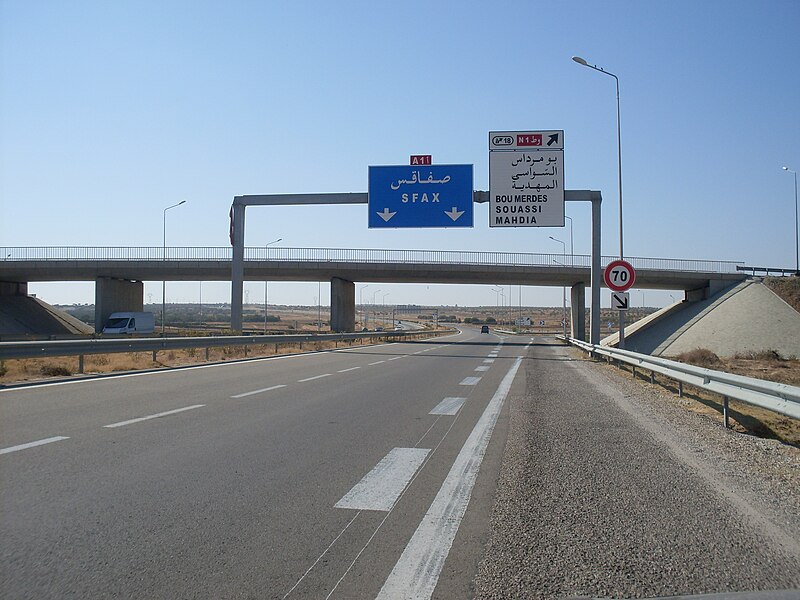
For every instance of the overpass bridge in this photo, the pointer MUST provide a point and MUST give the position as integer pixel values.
(118, 272)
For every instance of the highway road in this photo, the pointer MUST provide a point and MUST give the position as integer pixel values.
(470, 465)
(337, 474)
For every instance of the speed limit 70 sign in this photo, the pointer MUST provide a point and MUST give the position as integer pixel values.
(619, 275)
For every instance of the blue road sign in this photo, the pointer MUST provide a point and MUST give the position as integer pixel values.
(420, 196)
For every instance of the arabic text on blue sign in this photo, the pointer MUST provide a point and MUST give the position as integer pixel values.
(420, 196)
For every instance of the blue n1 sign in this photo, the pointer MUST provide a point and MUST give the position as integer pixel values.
(415, 196)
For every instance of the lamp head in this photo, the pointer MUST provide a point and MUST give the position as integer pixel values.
(785, 168)
(580, 61)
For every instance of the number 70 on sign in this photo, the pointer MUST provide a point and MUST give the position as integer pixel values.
(619, 275)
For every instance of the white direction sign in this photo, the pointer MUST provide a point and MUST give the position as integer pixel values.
(526, 178)
(620, 300)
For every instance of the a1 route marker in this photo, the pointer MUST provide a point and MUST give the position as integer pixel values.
(619, 275)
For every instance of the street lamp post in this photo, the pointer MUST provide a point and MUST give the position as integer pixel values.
(363, 310)
(164, 258)
(375, 293)
(796, 222)
(266, 284)
(563, 289)
(581, 61)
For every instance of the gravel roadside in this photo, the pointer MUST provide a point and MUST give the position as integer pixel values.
(610, 488)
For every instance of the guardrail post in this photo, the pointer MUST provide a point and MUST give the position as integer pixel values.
(276, 348)
(633, 370)
(154, 355)
(653, 377)
(725, 412)
(80, 364)
(680, 389)
(245, 351)
(207, 353)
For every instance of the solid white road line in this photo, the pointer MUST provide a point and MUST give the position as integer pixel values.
(470, 381)
(380, 488)
(58, 438)
(350, 369)
(448, 406)
(163, 414)
(313, 378)
(417, 571)
(269, 389)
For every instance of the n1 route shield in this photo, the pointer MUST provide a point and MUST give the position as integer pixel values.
(404, 196)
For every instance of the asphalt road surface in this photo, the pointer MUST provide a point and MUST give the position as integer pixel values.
(363, 473)
(338, 474)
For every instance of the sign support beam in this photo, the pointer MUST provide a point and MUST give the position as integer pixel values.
(240, 203)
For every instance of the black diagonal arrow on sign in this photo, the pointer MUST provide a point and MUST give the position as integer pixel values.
(620, 301)
(553, 139)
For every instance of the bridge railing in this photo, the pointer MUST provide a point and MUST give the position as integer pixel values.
(361, 255)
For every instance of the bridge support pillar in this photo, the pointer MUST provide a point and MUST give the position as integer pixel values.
(116, 295)
(13, 288)
(343, 305)
(578, 311)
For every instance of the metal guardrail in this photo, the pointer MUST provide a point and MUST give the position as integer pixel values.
(767, 270)
(362, 255)
(777, 397)
(48, 349)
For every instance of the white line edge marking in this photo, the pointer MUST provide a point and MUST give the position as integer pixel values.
(417, 571)
(10, 449)
(268, 389)
(313, 378)
(396, 358)
(159, 415)
(376, 363)
(350, 369)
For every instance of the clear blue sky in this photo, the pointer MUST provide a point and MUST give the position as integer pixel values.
(111, 111)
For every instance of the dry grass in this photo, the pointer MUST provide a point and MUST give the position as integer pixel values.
(745, 418)
(787, 288)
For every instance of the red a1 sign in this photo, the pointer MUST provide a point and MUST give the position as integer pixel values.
(619, 275)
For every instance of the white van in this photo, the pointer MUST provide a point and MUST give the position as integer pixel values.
(130, 322)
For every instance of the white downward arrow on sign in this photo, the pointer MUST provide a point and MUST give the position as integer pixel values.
(454, 213)
(386, 215)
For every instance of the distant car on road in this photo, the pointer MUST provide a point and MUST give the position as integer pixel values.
(379, 329)
(485, 329)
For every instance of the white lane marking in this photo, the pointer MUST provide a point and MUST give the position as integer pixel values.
(488, 360)
(376, 363)
(313, 378)
(481, 368)
(381, 487)
(347, 370)
(470, 381)
(419, 352)
(417, 570)
(397, 358)
(57, 438)
(147, 418)
(448, 406)
(268, 389)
